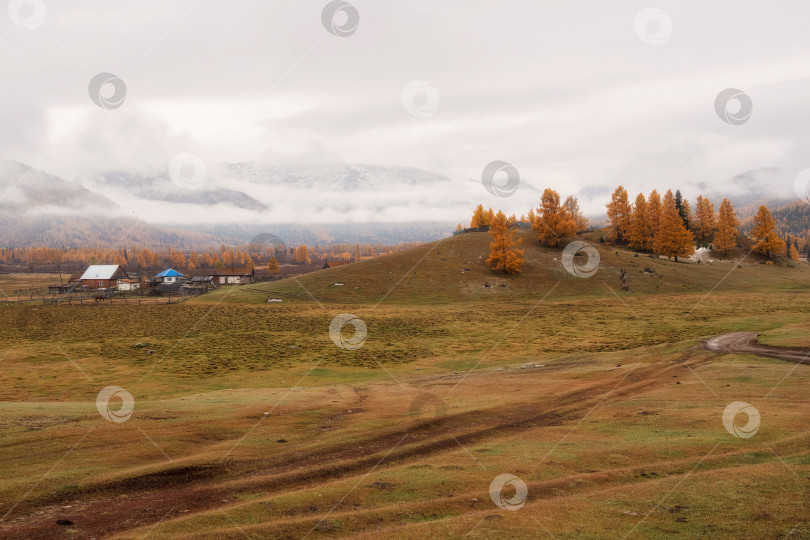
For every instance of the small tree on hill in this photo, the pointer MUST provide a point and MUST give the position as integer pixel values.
(673, 240)
(725, 238)
(768, 242)
(553, 222)
(272, 266)
(618, 212)
(503, 257)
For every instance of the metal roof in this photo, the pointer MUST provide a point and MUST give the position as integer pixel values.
(170, 272)
(100, 271)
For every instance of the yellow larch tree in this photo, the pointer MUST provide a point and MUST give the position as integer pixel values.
(503, 256)
(572, 206)
(654, 213)
(302, 255)
(704, 222)
(672, 239)
(478, 217)
(552, 221)
(618, 212)
(638, 233)
(768, 243)
(725, 239)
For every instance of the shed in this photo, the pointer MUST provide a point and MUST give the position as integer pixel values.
(129, 285)
(58, 289)
(199, 285)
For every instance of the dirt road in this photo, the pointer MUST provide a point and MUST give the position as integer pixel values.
(746, 342)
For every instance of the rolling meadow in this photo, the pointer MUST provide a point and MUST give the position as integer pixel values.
(251, 420)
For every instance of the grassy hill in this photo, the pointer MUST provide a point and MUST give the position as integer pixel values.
(454, 270)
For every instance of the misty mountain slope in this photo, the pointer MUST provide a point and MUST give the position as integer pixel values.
(95, 232)
(336, 233)
(161, 188)
(24, 190)
(39, 209)
(343, 176)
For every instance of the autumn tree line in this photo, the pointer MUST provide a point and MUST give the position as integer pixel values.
(663, 226)
(668, 227)
(143, 258)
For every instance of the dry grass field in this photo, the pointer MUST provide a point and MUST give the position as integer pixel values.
(11, 283)
(249, 421)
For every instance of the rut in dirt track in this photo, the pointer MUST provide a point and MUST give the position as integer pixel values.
(746, 342)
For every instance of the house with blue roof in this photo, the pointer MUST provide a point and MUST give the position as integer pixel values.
(169, 275)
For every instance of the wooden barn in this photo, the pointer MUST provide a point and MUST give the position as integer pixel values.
(103, 276)
(233, 276)
(223, 276)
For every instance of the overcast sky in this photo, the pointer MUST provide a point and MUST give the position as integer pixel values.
(578, 96)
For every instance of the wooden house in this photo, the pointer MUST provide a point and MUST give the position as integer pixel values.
(103, 276)
(170, 275)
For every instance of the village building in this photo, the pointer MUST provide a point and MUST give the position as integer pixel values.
(201, 281)
(234, 276)
(169, 275)
(58, 289)
(129, 285)
(224, 276)
(198, 285)
(103, 276)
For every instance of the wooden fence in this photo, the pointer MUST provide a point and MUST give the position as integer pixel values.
(90, 300)
(137, 300)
